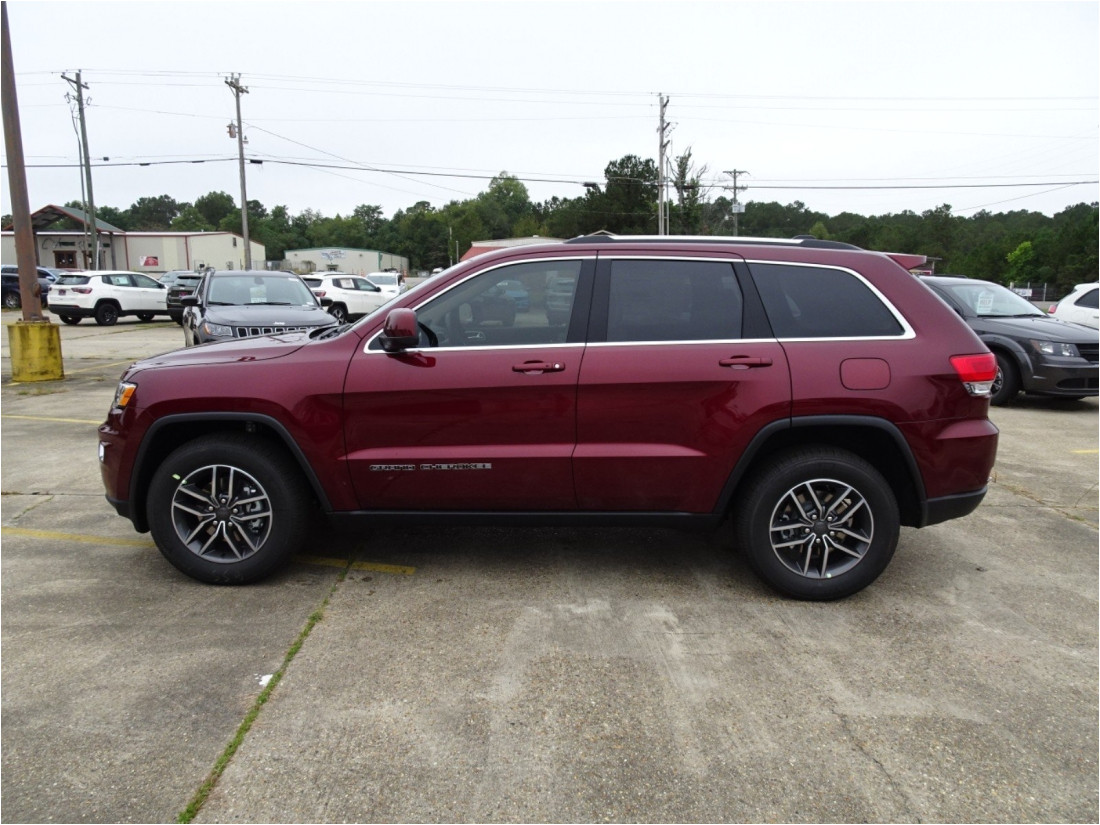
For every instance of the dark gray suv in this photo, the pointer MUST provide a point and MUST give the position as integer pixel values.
(1035, 352)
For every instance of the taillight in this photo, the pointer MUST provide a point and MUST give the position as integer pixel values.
(976, 372)
(82, 290)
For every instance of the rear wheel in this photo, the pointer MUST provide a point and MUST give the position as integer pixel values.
(818, 523)
(228, 508)
(145, 316)
(106, 315)
(12, 300)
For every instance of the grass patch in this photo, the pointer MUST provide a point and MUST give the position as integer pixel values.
(205, 789)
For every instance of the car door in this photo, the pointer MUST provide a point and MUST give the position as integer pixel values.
(483, 415)
(368, 297)
(146, 294)
(677, 379)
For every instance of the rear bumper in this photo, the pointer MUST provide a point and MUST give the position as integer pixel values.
(937, 510)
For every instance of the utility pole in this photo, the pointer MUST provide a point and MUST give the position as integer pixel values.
(736, 208)
(80, 86)
(235, 86)
(662, 228)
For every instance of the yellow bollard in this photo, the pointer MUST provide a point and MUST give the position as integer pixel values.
(35, 351)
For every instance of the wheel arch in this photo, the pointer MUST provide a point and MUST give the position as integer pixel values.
(170, 432)
(876, 440)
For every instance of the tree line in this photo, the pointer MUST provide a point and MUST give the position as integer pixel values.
(1017, 247)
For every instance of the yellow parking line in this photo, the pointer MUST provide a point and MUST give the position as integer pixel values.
(47, 418)
(1085, 452)
(394, 569)
(50, 534)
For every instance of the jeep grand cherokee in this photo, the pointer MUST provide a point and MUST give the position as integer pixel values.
(818, 394)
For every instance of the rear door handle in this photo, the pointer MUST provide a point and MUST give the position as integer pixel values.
(533, 367)
(744, 362)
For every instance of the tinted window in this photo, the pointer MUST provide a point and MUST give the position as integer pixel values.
(1089, 299)
(670, 300)
(73, 280)
(491, 309)
(814, 302)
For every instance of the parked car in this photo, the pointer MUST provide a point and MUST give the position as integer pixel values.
(346, 297)
(389, 282)
(183, 284)
(815, 394)
(1035, 352)
(517, 294)
(12, 297)
(249, 303)
(1081, 306)
(107, 296)
(173, 275)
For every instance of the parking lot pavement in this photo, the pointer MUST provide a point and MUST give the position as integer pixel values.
(565, 675)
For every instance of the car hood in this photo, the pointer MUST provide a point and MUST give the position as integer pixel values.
(261, 348)
(269, 316)
(1034, 326)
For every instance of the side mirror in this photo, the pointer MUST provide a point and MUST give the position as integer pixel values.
(401, 331)
(189, 301)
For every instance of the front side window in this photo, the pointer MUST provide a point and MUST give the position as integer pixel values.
(522, 304)
(816, 302)
(671, 300)
(145, 281)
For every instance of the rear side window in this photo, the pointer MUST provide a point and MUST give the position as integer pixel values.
(1089, 299)
(817, 302)
(671, 300)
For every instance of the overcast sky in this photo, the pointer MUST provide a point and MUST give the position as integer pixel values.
(867, 107)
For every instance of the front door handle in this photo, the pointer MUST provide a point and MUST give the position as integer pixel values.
(744, 362)
(534, 367)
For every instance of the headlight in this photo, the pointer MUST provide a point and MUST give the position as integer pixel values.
(1055, 348)
(123, 394)
(217, 330)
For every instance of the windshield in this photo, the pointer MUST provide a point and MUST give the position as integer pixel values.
(241, 290)
(988, 300)
(382, 279)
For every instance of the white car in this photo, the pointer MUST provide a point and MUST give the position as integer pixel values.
(389, 282)
(346, 297)
(1081, 306)
(107, 296)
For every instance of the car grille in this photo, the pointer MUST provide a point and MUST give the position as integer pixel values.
(252, 332)
(1090, 352)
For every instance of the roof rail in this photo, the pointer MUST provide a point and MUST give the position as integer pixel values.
(807, 241)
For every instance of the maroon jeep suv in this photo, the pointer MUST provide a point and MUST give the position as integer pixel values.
(818, 395)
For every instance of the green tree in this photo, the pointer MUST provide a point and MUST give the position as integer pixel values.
(215, 207)
(190, 219)
(153, 214)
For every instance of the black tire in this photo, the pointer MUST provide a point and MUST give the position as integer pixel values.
(339, 312)
(12, 300)
(193, 519)
(72, 320)
(817, 523)
(106, 314)
(1006, 386)
(145, 316)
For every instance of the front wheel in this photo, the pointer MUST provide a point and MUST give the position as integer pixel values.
(145, 316)
(339, 312)
(1006, 386)
(13, 300)
(228, 508)
(72, 320)
(818, 523)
